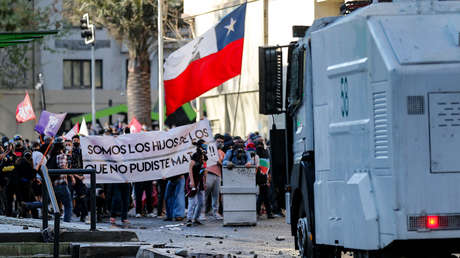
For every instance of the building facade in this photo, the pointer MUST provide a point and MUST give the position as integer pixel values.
(234, 106)
(65, 64)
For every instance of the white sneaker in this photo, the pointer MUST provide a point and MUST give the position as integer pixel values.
(202, 217)
(138, 215)
(151, 215)
(218, 217)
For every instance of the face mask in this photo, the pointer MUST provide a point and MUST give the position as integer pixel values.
(220, 145)
(204, 146)
(76, 144)
(68, 148)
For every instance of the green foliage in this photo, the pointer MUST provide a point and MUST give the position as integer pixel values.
(133, 22)
(20, 16)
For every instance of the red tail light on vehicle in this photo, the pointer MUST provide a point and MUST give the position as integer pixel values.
(425, 222)
(432, 222)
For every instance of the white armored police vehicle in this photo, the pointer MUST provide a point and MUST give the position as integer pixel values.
(373, 107)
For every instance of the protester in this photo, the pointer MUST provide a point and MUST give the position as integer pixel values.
(8, 166)
(120, 202)
(25, 175)
(175, 198)
(139, 189)
(161, 190)
(58, 160)
(21, 184)
(120, 199)
(77, 159)
(3, 181)
(213, 178)
(263, 181)
(237, 155)
(197, 177)
(228, 143)
(79, 189)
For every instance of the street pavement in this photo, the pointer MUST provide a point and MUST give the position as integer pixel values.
(270, 238)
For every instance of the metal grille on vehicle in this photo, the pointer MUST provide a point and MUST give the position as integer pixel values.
(381, 141)
(415, 105)
(449, 113)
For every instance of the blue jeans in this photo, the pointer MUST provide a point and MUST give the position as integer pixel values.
(120, 197)
(33, 205)
(195, 206)
(175, 198)
(63, 195)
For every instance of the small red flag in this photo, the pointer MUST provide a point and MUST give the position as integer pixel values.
(134, 126)
(24, 111)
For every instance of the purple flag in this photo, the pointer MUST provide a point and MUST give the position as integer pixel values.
(49, 123)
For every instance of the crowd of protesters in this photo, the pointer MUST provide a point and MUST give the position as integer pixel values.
(188, 197)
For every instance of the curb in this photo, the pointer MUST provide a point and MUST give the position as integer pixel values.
(37, 223)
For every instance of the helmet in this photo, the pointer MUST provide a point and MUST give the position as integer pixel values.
(5, 139)
(58, 140)
(27, 154)
(17, 137)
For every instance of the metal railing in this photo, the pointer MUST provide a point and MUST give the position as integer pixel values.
(48, 187)
(50, 196)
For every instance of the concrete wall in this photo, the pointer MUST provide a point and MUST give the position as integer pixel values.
(9, 99)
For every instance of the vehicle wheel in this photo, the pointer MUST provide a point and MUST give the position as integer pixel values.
(304, 238)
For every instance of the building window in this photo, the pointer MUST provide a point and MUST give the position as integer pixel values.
(77, 74)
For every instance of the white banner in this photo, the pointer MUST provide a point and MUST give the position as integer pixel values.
(146, 156)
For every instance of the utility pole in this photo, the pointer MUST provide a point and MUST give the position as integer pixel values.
(265, 22)
(41, 86)
(161, 90)
(93, 88)
(88, 33)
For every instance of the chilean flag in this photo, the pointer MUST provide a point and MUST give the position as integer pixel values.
(206, 62)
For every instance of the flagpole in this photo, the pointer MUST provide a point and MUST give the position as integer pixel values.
(161, 90)
(198, 109)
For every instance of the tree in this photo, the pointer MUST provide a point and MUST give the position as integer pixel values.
(20, 16)
(134, 23)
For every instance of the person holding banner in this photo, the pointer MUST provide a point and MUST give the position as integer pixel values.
(120, 197)
(175, 198)
(139, 189)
